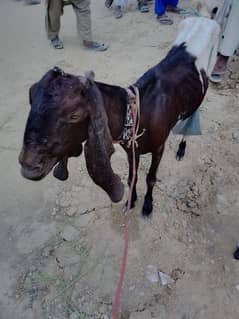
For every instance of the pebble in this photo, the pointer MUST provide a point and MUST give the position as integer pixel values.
(74, 316)
(146, 314)
(69, 233)
(235, 136)
(47, 252)
(103, 309)
(237, 287)
(71, 212)
(165, 279)
(152, 273)
(54, 212)
(226, 269)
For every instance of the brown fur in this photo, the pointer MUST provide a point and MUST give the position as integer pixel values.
(67, 110)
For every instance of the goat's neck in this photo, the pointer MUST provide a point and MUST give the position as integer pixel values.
(115, 102)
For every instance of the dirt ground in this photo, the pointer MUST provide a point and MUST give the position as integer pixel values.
(61, 243)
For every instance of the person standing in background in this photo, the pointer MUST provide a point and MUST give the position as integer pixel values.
(54, 10)
(142, 6)
(161, 6)
(228, 18)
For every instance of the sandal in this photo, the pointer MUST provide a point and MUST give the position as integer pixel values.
(96, 46)
(57, 43)
(174, 9)
(108, 3)
(118, 12)
(143, 7)
(164, 19)
(216, 77)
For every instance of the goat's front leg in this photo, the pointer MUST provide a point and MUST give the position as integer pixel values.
(151, 180)
(130, 177)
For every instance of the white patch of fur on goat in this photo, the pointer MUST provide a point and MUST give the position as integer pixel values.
(201, 36)
(205, 7)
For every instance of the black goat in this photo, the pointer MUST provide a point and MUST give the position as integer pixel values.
(67, 110)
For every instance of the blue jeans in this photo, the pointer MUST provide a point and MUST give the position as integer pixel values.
(160, 6)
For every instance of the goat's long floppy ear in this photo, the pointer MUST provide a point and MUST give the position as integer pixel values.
(32, 91)
(99, 148)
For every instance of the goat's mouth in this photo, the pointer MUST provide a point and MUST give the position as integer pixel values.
(38, 172)
(32, 174)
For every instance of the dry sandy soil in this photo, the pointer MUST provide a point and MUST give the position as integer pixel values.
(61, 243)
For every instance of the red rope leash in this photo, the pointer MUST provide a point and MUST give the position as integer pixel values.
(118, 290)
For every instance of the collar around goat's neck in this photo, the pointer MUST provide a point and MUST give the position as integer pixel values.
(132, 118)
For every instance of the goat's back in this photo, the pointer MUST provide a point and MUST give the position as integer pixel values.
(176, 86)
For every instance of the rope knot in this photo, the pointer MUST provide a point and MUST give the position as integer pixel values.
(130, 131)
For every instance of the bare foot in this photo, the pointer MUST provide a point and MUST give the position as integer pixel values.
(219, 69)
(221, 64)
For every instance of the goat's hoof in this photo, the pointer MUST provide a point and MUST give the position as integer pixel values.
(60, 173)
(147, 209)
(132, 205)
(179, 157)
(236, 254)
(181, 151)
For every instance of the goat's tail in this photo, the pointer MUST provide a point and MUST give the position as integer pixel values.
(181, 149)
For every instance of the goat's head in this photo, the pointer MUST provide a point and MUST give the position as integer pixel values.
(65, 111)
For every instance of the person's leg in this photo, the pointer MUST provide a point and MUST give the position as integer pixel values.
(83, 16)
(159, 9)
(108, 3)
(118, 12)
(221, 64)
(121, 3)
(143, 6)
(229, 43)
(118, 8)
(54, 11)
(171, 5)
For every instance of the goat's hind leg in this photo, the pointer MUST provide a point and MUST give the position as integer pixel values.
(181, 149)
(151, 180)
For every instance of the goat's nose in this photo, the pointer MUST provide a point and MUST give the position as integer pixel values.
(30, 163)
(38, 166)
(32, 166)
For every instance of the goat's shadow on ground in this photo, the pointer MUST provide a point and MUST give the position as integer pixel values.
(118, 219)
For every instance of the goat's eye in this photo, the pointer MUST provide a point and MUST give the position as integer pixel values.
(74, 117)
(44, 140)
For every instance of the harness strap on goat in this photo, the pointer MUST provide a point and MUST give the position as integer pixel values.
(132, 116)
